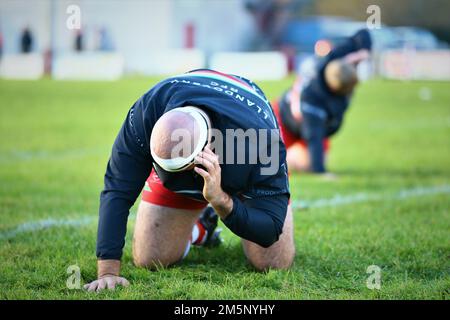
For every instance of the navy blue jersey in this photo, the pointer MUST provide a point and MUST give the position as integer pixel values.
(232, 102)
(317, 93)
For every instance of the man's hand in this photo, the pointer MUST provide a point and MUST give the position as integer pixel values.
(106, 282)
(357, 57)
(212, 191)
(108, 276)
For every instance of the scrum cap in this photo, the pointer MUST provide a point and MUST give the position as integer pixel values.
(178, 137)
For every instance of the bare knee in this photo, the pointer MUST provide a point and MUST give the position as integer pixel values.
(279, 255)
(151, 262)
(265, 263)
(154, 260)
(161, 235)
(298, 158)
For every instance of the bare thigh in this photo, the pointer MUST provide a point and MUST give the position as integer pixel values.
(280, 255)
(298, 158)
(161, 234)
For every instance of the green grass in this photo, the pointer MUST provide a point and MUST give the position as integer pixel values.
(55, 142)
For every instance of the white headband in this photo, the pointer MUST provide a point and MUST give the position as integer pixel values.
(179, 163)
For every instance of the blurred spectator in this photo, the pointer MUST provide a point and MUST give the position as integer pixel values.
(79, 45)
(105, 42)
(1, 45)
(26, 41)
(48, 61)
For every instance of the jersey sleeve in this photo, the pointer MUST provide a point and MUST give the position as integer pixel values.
(258, 220)
(128, 168)
(360, 40)
(260, 216)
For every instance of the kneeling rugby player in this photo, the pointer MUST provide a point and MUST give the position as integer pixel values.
(185, 192)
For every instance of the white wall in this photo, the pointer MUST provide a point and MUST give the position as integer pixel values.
(138, 28)
(16, 14)
(220, 25)
(252, 65)
(415, 65)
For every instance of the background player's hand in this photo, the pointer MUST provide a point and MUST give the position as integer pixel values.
(358, 56)
(328, 176)
(106, 282)
(212, 190)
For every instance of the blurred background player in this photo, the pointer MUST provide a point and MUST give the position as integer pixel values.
(313, 109)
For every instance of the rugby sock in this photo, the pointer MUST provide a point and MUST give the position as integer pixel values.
(199, 234)
(186, 251)
(198, 237)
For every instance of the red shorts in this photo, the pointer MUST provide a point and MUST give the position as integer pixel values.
(288, 138)
(154, 192)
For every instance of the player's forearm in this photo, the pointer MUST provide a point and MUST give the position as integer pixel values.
(113, 216)
(127, 169)
(108, 267)
(361, 40)
(349, 45)
(223, 205)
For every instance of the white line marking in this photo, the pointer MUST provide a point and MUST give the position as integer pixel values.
(13, 156)
(337, 200)
(44, 224)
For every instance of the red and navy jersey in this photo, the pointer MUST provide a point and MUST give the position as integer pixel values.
(231, 102)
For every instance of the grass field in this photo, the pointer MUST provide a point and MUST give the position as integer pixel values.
(389, 206)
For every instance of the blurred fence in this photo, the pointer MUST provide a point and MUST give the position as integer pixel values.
(393, 64)
(166, 37)
(415, 65)
(22, 66)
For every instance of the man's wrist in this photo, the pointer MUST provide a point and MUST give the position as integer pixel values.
(223, 205)
(108, 267)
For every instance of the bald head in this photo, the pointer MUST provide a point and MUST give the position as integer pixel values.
(178, 136)
(340, 76)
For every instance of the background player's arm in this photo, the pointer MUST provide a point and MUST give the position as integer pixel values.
(359, 41)
(313, 131)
